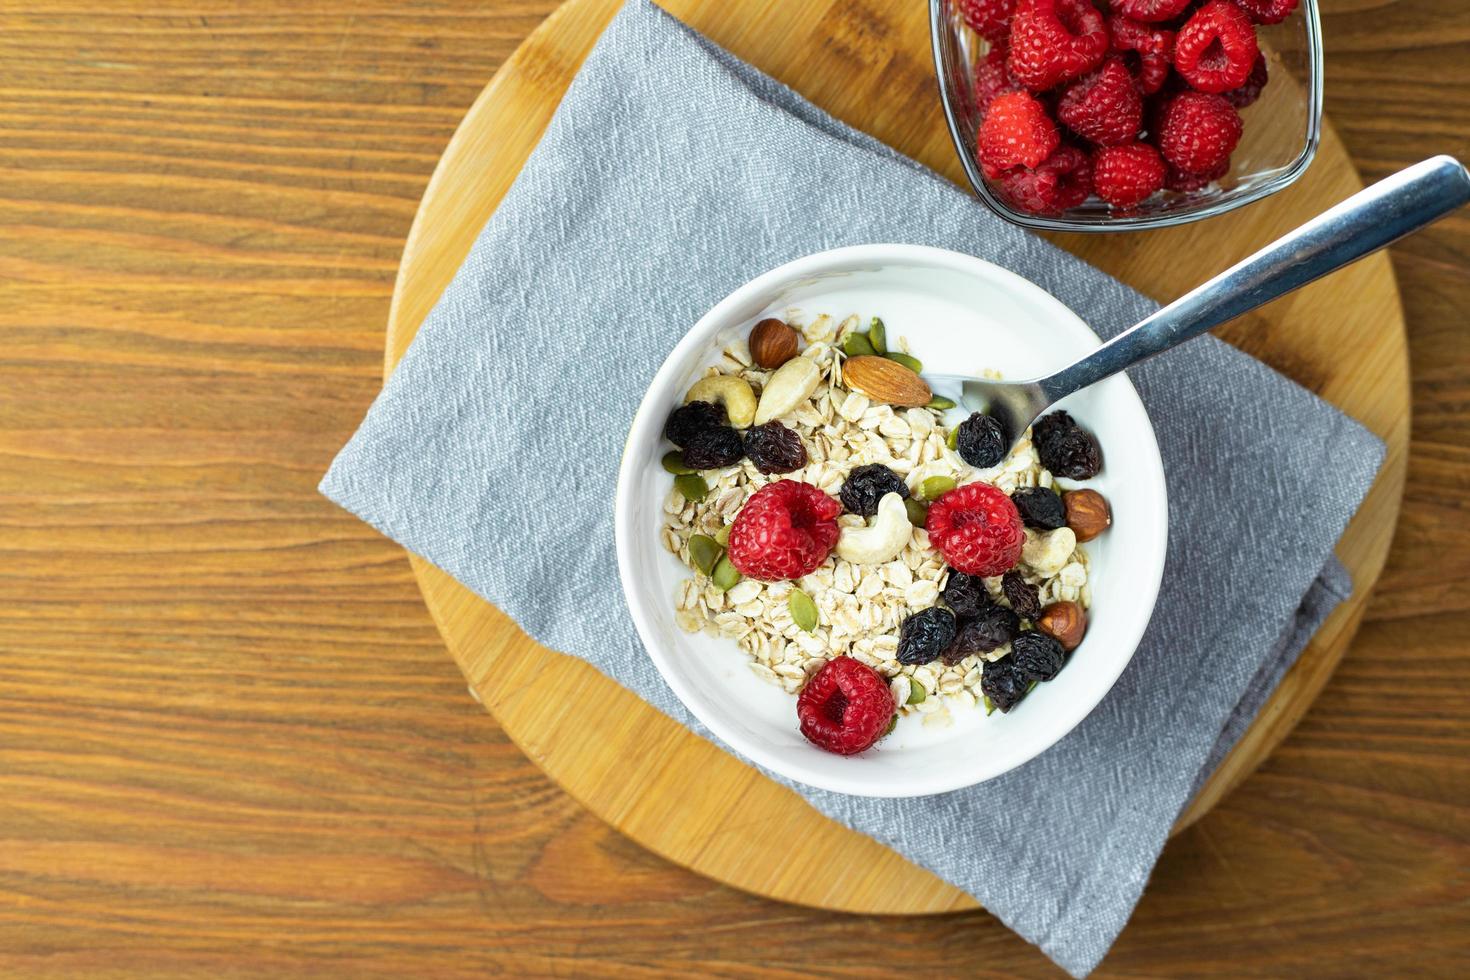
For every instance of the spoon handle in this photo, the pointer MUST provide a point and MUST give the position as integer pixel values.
(1362, 224)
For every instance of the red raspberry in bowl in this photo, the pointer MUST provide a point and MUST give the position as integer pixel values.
(1063, 180)
(784, 531)
(992, 78)
(1197, 132)
(991, 19)
(845, 707)
(1267, 11)
(1017, 132)
(1216, 48)
(977, 528)
(1179, 180)
(1251, 90)
(1103, 107)
(1055, 40)
(1150, 10)
(1151, 46)
(1126, 175)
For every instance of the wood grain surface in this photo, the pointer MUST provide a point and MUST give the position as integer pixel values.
(230, 741)
(681, 796)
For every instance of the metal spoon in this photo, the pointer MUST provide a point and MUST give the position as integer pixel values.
(1369, 220)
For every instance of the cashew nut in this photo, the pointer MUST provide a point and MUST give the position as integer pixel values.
(881, 542)
(790, 386)
(732, 392)
(1048, 553)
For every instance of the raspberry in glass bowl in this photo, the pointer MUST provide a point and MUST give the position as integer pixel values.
(1115, 115)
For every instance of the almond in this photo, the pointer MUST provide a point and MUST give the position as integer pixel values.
(1064, 622)
(1087, 513)
(772, 343)
(886, 380)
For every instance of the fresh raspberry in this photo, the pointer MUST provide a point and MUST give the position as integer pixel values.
(1055, 40)
(991, 19)
(1178, 180)
(1104, 107)
(1198, 132)
(1125, 175)
(1254, 83)
(977, 528)
(1267, 11)
(1151, 11)
(845, 707)
(1016, 132)
(1063, 180)
(1216, 48)
(992, 78)
(1153, 47)
(785, 530)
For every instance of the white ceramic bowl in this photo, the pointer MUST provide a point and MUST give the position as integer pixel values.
(960, 314)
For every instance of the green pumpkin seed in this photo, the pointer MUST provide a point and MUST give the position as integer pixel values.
(878, 336)
(704, 551)
(939, 403)
(953, 439)
(725, 576)
(918, 513)
(674, 463)
(692, 486)
(917, 694)
(803, 610)
(912, 363)
(936, 487)
(722, 536)
(989, 708)
(857, 345)
(892, 724)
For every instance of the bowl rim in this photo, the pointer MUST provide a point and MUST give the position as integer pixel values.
(647, 423)
(939, 26)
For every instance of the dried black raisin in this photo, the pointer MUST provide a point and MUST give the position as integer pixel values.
(1065, 448)
(688, 420)
(965, 594)
(773, 448)
(1004, 683)
(981, 441)
(1024, 597)
(1040, 507)
(1037, 655)
(867, 485)
(925, 635)
(713, 448)
(994, 627)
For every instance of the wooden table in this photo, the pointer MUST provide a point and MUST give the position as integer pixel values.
(230, 740)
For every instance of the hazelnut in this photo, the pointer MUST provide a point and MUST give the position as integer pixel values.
(772, 343)
(1087, 513)
(1064, 622)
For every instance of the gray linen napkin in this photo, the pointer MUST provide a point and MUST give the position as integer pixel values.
(671, 174)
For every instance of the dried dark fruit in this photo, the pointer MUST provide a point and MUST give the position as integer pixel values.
(1024, 597)
(686, 421)
(993, 628)
(981, 441)
(773, 448)
(1004, 683)
(1040, 507)
(1066, 448)
(965, 594)
(867, 485)
(925, 635)
(713, 448)
(1037, 655)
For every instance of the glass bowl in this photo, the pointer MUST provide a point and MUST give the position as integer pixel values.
(1281, 129)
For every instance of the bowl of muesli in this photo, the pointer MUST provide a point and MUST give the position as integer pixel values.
(854, 581)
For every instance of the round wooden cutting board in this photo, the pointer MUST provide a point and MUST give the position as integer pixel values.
(868, 63)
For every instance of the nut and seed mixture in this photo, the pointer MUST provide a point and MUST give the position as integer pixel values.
(860, 607)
